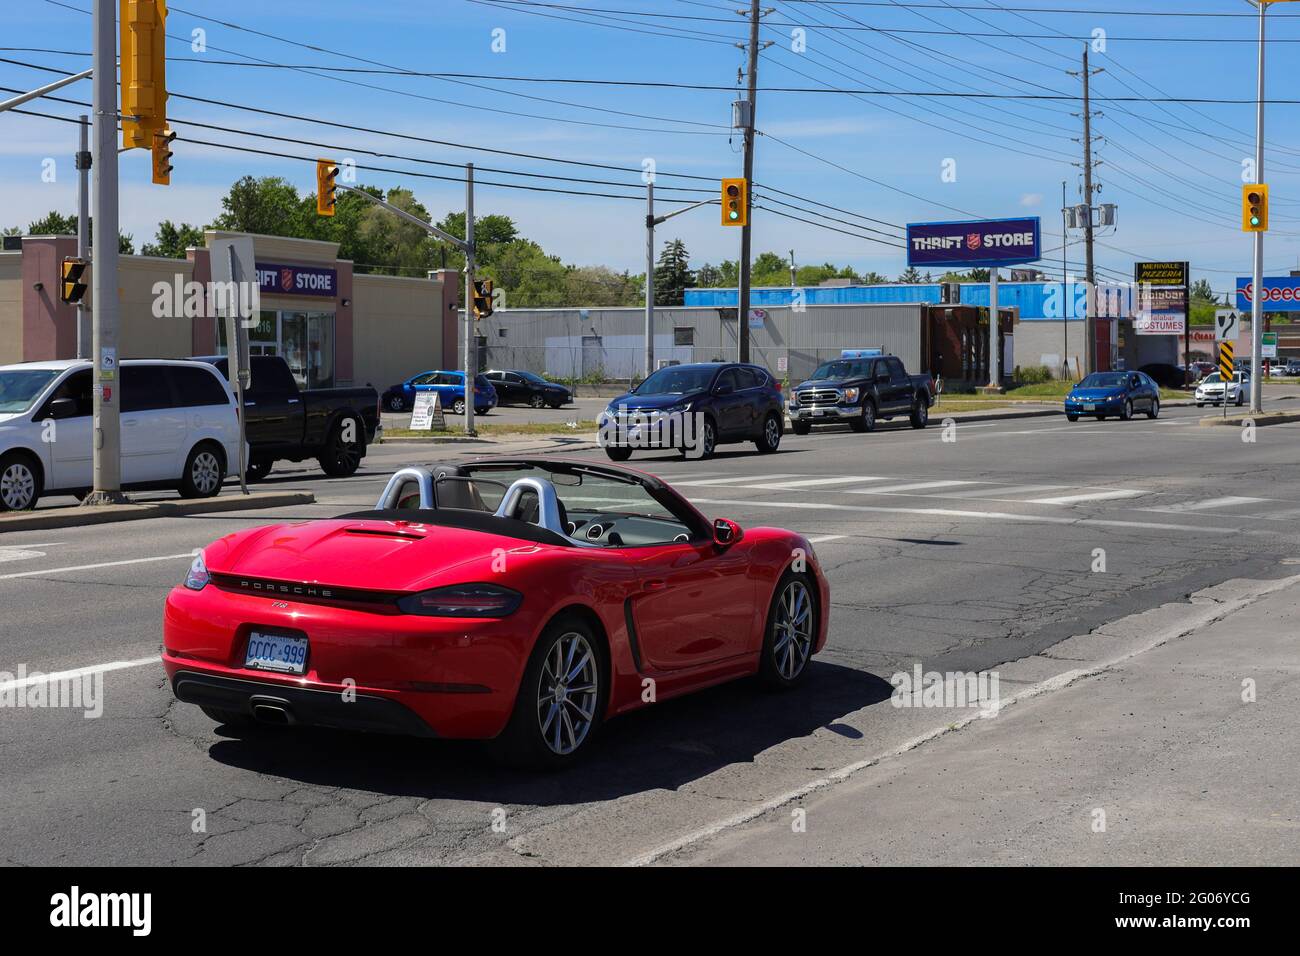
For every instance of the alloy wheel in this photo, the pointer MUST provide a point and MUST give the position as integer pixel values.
(17, 487)
(793, 630)
(568, 693)
(205, 473)
(772, 433)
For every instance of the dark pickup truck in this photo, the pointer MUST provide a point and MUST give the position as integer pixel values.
(860, 391)
(285, 423)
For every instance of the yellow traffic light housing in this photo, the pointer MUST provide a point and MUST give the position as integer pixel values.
(72, 289)
(735, 202)
(162, 156)
(143, 34)
(326, 172)
(1254, 207)
(482, 298)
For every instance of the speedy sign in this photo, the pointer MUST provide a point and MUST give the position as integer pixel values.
(983, 242)
(1281, 294)
(296, 280)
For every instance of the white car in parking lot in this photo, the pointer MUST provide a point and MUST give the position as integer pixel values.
(179, 428)
(1211, 389)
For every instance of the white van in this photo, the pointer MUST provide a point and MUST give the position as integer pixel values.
(179, 429)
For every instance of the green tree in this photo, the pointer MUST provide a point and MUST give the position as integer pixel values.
(269, 206)
(173, 240)
(1202, 291)
(673, 274)
(55, 223)
(874, 278)
(910, 275)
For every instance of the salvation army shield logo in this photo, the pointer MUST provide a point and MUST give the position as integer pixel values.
(286, 280)
(972, 240)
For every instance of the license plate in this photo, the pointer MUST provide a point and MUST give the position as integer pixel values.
(818, 412)
(276, 652)
(1089, 406)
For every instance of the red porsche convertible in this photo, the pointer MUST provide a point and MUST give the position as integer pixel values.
(522, 600)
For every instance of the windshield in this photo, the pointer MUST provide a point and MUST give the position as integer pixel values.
(1104, 380)
(1214, 377)
(676, 380)
(19, 388)
(530, 377)
(844, 368)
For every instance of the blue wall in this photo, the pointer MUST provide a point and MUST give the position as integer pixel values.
(1036, 300)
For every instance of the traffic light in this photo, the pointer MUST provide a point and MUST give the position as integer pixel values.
(1254, 208)
(143, 26)
(162, 156)
(326, 172)
(735, 202)
(73, 289)
(482, 298)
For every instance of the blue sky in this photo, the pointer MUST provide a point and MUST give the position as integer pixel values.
(1174, 170)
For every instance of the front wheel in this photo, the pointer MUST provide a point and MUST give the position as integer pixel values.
(396, 404)
(1071, 418)
(792, 622)
(800, 428)
(867, 423)
(537, 401)
(458, 406)
(1127, 413)
(617, 453)
(205, 470)
(561, 699)
(1241, 399)
(770, 440)
(1155, 409)
(20, 482)
(920, 416)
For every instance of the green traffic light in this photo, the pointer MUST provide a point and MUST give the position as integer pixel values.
(733, 215)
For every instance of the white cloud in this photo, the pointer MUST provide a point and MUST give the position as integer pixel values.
(1031, 199)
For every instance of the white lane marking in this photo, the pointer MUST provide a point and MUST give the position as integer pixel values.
(1227, 501)
(1089, 496)
(91, 567)
(76, 673)
(823, 538)
(813, 482)
(736, 481)
(911, 486)
(24, 552)
(954, 513)
(1005, 490)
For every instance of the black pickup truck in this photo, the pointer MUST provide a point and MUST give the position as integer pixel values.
(285, 423)
(860, 391)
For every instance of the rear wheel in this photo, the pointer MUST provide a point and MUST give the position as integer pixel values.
(792, 622)
(458, 406)
(396, 404)
(258, 469)
(20, 482)
(770, 440)
(344, 449)
(1127, 412)
(618, 453)
(1155, 409)
(205, 470)
(561, 699)
(920, 416)
(537, 401)
(1241, 399)
(800, 428)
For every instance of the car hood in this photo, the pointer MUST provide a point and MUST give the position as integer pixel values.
(823, 383)
(1217, 386)
(10, 417)
(635, 402)
(367, 554)
(1095, 394)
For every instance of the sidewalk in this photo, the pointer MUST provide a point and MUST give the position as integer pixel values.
(1184, 771)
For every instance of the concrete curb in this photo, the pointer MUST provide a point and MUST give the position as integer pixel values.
(435, 440)
(1262, 419)
(74, 517)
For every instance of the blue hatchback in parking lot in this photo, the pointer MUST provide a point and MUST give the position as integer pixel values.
(450, 386)
(1113, 393)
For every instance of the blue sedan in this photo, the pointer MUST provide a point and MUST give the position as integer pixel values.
(1113, 393)
(450, 386)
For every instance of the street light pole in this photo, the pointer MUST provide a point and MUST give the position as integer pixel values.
(649, 279)
(1256, 300)
(84, 164)
(107, 435)
(471, 366)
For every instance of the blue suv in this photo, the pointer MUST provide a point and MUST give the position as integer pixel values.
(451, 388)
(694, 408)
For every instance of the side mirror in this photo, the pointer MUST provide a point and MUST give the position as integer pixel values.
(62, 408)
(726, 532)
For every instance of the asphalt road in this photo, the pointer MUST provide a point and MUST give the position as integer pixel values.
(955, 554)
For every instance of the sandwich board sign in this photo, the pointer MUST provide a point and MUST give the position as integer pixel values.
(427, 413)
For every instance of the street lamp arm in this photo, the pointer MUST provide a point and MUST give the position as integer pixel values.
(48, 88)
(460, 244)
(678, 212)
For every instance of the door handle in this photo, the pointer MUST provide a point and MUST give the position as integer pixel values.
(655, 584)
(293, 401)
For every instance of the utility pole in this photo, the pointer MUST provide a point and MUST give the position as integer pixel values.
(84, 163)
(107, 434)
(742, 324)
(1257, 299)
(1065, 295)
(649, 279)
(471, 344)
(1090, 321)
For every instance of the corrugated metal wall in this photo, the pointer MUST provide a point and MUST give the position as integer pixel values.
(608, 343)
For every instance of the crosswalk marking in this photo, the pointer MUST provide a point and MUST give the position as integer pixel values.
(1006, 490)
(903, 489)
(813, 482)
(1228, 501)
(1089, 496)
(735, 481)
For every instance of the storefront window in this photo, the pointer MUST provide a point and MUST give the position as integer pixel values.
(304, 339)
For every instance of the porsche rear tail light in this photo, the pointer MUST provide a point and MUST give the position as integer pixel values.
(463, 600)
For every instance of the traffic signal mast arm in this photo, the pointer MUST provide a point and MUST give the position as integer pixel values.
(460, 244)
(677, 212)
